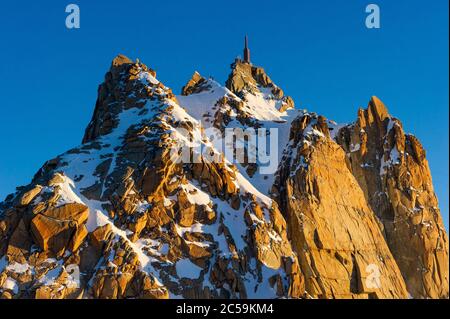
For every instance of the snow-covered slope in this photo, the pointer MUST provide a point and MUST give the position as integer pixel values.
(257, 108)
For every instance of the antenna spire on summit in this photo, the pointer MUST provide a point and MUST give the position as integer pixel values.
(246, 51)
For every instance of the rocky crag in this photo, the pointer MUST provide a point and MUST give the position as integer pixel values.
(350, 211)
(391, 169)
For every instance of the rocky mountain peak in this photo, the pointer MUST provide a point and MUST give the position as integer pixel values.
(127, 84)
(246, 78)
(120, 59)
(195, 85)
(130, 213)
(378, 109)
(332, 227)
(391, 168)
(126, 219)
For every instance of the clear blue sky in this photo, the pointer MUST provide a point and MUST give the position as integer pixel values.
(318, 51)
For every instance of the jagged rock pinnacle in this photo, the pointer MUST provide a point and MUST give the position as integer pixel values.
(123, 216)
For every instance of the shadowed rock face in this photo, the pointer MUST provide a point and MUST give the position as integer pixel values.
(330, 224)
(391, 168)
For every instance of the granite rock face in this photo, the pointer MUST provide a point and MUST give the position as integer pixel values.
(342, 211)
(335, 233)
(392, 170)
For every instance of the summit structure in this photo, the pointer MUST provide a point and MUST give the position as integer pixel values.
(246, 51)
